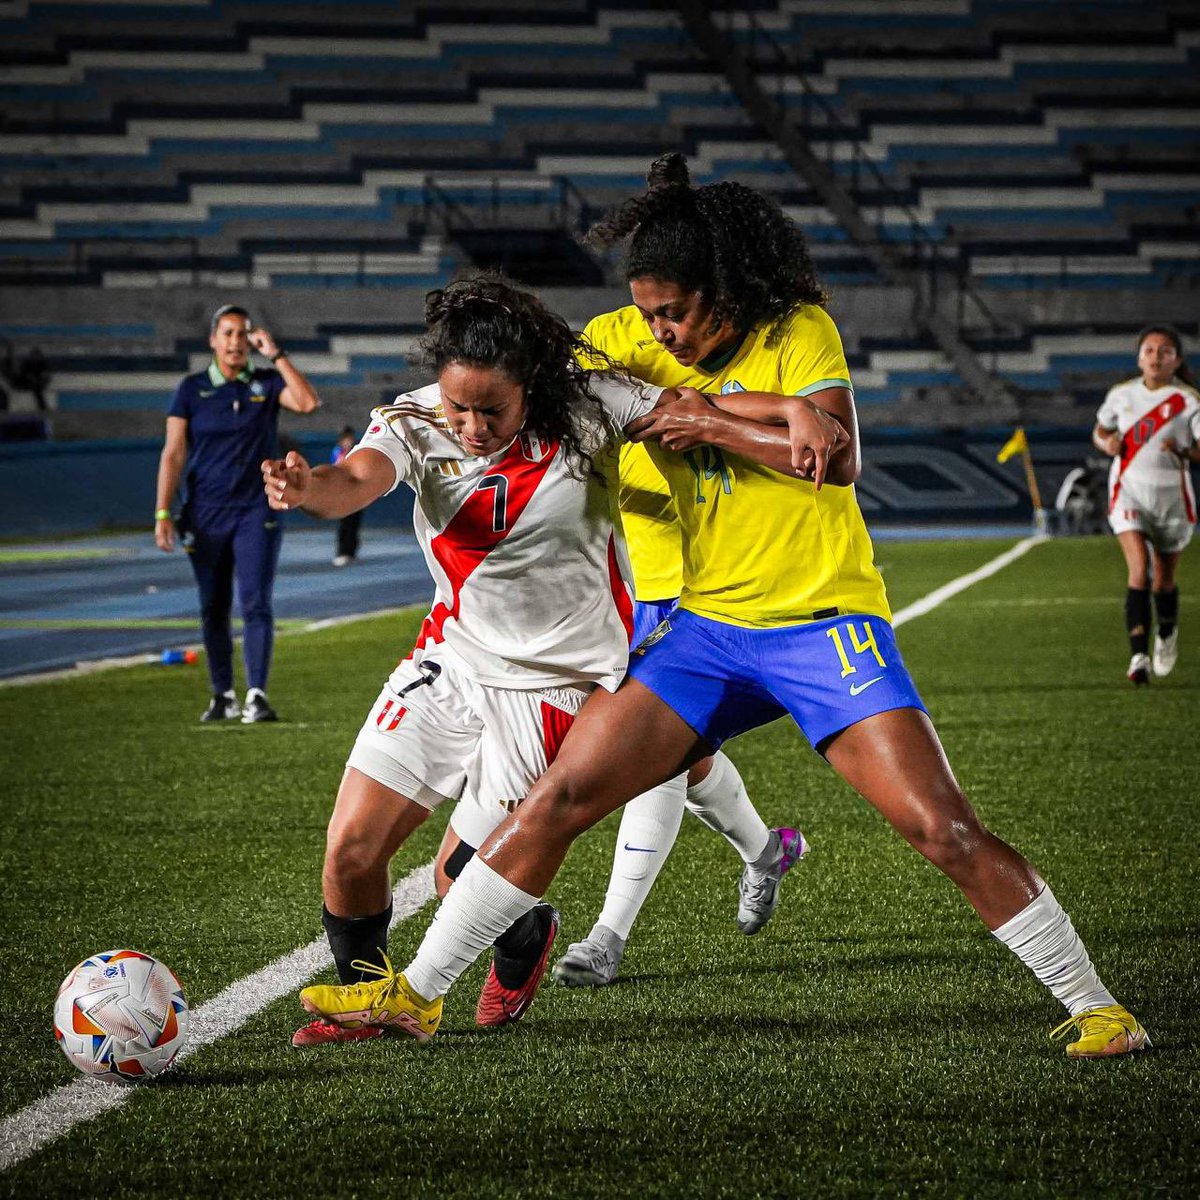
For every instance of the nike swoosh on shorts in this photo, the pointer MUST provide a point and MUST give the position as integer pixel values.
(855, 688)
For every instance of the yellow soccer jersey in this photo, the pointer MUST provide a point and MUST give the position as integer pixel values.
(759, 549)
(652, 533)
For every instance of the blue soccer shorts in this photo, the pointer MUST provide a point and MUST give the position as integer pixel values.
(725, 679)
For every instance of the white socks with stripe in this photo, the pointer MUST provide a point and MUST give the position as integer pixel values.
(1042, 937)
(649, 827)
(720, 800)
(480, 906)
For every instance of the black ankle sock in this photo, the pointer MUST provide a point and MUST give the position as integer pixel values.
(520, 946)
(1137, 619)
(1166, 608)
(356, 937)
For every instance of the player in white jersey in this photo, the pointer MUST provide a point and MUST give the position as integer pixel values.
(530, 612)
(1150, 425)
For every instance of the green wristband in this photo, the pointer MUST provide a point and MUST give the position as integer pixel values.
(162, 514)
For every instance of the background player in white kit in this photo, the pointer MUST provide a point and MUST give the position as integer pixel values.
(1151, 426)
(530, 610)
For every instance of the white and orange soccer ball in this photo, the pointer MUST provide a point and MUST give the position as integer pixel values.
(121, 1015)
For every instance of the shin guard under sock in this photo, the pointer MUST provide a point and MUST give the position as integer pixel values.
(1137, 619)
(352, 938)
(1166, 608)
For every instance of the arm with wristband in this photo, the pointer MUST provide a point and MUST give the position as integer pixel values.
(170, 471)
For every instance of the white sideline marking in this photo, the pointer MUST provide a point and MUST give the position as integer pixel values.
(940, 595)
(56, 1112)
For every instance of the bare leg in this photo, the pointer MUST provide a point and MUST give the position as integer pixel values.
(621, 744)
(1137, 558)
(370, 823)
(896, 762)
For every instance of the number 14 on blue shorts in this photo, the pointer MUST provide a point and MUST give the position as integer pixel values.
(724, 679)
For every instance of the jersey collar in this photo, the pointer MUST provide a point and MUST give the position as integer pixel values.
(718, 362)
(217, 379)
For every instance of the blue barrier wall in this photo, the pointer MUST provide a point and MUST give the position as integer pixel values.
(54, 488)
(49, 489)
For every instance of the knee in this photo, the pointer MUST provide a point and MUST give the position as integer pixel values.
(214, 611)
(949, 835)
(560, 805)
(351, 853)
(257, 609)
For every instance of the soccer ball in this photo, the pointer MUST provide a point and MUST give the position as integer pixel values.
(121, 1015)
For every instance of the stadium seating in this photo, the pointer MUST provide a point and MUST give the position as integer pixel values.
(319, 152)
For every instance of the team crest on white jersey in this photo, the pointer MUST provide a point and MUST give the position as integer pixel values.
(534, 447)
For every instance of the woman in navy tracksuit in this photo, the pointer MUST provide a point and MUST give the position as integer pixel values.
(221, 425)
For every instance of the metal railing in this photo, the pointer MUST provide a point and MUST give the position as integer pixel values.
(451, 203)
(817, 115)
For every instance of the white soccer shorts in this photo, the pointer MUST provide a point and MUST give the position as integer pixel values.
(1165, 523)
(436, 734)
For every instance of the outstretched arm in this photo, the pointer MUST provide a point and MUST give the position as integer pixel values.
(327, 490)
(789, 434)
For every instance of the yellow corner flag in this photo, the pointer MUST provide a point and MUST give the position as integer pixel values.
(1017, 444)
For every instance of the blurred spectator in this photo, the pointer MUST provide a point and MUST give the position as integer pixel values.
(31, 374)
(348, 526)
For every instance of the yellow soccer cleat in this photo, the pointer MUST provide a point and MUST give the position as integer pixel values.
(1102, 1032)
(387, 1001)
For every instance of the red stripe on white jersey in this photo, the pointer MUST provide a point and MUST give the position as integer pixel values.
(620, 593)
(470, 535)
(556, 724)
(396, 719)
(1141, 431)
(1189, 500)
(383, 712)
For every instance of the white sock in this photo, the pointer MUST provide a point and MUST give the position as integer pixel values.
(1042, 937)
(480, 906)
(649, 826)
(721, 801)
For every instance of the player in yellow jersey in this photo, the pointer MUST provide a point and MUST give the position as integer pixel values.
(782, 611)
(715, 792)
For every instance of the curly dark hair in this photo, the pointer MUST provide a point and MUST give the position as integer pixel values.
(726, 241)
(1184, 369)
(486, 320)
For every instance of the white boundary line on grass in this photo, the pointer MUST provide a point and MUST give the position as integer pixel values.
(48, 1118)
(55, 1113)
(940, 595)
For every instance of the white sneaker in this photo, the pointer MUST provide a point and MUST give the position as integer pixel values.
(1166, 652)
(592, 962)
(1139, 669)
(342, 560)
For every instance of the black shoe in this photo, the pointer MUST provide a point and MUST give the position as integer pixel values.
(221, 708)
(257, 709)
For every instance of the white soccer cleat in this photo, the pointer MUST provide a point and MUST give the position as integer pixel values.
(1166, 653)
(1138, 672)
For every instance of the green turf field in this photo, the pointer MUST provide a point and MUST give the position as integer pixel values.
(873, 1040)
